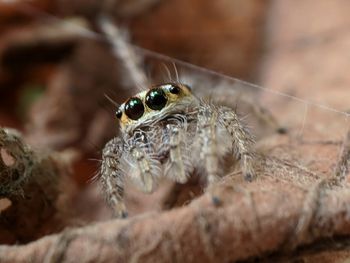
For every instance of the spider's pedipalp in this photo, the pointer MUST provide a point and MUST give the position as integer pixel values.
(178, 164)
(145, 168)
(112, 176)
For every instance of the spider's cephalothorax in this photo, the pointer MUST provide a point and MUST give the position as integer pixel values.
(167, 131)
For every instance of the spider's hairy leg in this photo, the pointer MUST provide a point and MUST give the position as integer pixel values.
(147, 167)
(207, 141)
(112, 177)
(242, 140)
(177, 167)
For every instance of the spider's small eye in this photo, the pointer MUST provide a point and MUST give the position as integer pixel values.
(174, 89)
(156, 99)
(119, 113)
(134, 108)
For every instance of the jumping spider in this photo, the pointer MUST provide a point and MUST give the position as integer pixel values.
(167, 131)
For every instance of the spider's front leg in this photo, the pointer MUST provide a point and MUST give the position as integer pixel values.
(206, 143)
(112, 176)
(242, 140)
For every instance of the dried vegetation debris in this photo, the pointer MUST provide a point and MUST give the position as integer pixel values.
(30, 181)
(293, 211)
(253, 220)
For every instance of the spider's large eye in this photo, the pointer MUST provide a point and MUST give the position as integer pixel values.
(156, 99)
(134, 108)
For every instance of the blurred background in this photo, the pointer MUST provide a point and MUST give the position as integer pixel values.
(53, 79)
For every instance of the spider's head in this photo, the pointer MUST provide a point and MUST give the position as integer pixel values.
(155, 104)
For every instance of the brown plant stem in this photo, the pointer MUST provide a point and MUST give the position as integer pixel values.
(241, 227)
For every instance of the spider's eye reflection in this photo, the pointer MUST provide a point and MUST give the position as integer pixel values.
(156, 99)
(134, 108)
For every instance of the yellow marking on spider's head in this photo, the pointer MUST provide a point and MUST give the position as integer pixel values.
(157, 102)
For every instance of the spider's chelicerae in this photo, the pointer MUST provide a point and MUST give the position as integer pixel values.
(167, 131)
